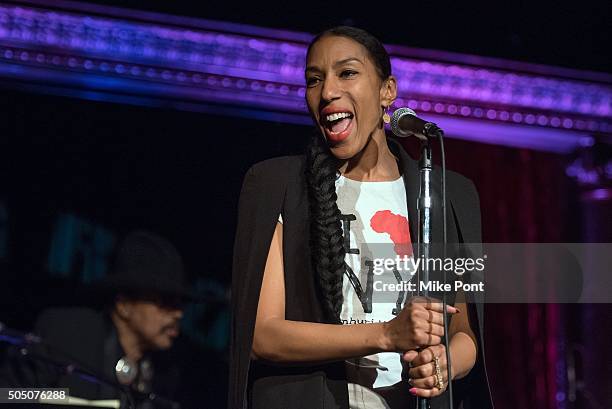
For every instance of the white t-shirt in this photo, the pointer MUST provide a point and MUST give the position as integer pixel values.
(375, 226)
(375, 219)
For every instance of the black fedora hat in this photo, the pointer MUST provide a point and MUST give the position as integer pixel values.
(147, 264)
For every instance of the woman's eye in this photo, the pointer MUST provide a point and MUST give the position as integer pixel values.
(348, 73)
(312, 81)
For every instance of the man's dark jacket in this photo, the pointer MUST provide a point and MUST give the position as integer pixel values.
(278, 186)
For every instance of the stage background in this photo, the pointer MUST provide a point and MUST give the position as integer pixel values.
(93, 171)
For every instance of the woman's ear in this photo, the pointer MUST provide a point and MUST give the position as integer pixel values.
(388, 91)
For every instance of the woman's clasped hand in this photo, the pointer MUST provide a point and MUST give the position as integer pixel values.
(417, 331)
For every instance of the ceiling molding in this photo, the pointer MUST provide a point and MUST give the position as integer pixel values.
(103, 53)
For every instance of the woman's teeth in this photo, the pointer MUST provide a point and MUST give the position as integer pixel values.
(336, 116)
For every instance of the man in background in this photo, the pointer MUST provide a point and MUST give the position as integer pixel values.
(126, 343)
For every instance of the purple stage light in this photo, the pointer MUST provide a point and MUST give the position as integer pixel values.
(263, 70)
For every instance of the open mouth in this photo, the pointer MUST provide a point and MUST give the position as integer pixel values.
(173, 332)
(338, 125)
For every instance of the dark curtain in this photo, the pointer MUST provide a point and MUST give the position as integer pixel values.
(524, 197)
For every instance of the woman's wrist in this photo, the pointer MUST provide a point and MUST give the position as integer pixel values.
(384, 342)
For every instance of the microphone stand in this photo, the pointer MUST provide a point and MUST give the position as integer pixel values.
(405, 123)
(71, 367)
(424, 208)
(424, 232)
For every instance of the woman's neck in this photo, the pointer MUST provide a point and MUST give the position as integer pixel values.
(375, 163)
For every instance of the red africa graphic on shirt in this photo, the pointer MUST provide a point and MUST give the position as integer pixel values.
(384, 221)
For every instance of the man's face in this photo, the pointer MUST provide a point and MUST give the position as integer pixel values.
(155, 323)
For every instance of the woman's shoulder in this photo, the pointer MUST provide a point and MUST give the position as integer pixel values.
(275, 171)
(460, 188)
(273, 166)
(272, 175)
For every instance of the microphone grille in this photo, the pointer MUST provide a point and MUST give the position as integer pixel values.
(397, 115)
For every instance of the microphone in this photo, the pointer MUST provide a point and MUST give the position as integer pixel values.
(405, 122)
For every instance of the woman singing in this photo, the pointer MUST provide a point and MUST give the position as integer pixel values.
(307, 331)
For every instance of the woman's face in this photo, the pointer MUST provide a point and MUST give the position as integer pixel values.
(345, 94)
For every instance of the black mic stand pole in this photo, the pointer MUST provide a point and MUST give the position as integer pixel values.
(424, 207)
(424, 235)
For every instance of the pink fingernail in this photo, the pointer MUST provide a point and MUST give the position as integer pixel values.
(412, 391)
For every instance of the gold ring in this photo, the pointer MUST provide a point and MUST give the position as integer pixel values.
(438, 375)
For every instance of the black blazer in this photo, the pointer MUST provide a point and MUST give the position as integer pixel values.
(279, 186)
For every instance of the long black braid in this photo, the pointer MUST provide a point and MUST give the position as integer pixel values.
(326, 240)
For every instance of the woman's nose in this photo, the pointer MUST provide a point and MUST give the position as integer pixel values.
(330, 90)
